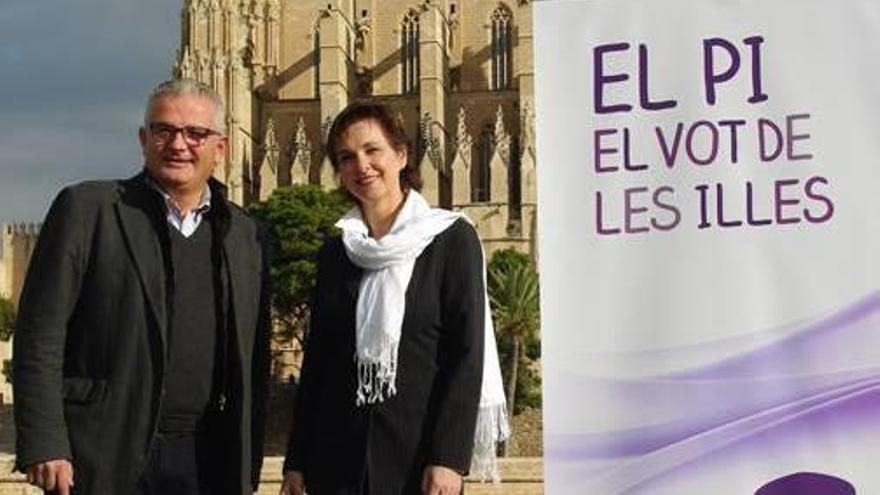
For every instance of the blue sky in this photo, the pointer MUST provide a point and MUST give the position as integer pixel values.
(74, 76)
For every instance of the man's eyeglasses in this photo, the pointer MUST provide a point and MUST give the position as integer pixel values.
(194, 135)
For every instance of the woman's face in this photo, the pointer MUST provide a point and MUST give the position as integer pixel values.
(369, 167)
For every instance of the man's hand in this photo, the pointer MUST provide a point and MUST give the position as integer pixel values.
(52, 475)
(439, 480)
(293, 483)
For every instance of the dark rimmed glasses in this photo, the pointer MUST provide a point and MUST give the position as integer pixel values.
(194, 135)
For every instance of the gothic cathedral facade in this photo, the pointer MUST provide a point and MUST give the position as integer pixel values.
(458, 72)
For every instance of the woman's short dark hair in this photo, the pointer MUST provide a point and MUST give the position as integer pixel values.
(392, 127)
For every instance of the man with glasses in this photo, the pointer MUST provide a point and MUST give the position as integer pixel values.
(141, 350)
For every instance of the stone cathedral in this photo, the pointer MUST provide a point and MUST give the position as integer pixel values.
(458, 72)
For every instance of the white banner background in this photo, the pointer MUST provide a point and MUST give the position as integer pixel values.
(684, 356)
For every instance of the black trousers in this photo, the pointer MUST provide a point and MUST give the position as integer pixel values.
(185, 464)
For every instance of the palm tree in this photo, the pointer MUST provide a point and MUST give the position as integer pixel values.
(514, 299)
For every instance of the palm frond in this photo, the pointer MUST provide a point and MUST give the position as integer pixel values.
(514, 299)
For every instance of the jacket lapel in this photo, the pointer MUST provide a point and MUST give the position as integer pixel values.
(139, 229)
(240, 271)
(238, 258)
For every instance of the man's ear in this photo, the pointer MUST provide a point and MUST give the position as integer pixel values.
(220, 149)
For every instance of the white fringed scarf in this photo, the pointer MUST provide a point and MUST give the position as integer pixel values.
(388, 264)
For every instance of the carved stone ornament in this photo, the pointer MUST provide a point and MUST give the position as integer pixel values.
(270, 146)
(184, 66)
(502, 139)
(527, 129)
(300, 139)
(463, 139)
(301, 154)
(430, 143)
(325, 128)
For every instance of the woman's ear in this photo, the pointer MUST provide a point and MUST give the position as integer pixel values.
(402, 156)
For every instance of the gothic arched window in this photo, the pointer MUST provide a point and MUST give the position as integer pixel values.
(409, 51)
(502, 48)
(316, 57)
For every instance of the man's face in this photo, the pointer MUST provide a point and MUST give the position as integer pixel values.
(180, 144)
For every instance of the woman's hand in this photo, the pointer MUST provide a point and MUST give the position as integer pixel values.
(293, 484)
(439, 480)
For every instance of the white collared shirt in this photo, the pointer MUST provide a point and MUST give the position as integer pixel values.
(185, 224)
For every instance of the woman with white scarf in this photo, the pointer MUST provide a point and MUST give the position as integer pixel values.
(400, 391)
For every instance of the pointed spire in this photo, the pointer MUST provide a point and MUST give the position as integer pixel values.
(502, 139)
(327, 124)
(424, 133)
(463, 140)
(300, 138)
(270, 144)
(269, 166)
(429, 142)
(461, 162)
(184, 66)
(498, 129)
(203, 66)
(302, 155)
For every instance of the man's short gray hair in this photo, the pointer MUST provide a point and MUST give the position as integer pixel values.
(187, 87)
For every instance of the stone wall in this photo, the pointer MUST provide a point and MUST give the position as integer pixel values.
(17, 242)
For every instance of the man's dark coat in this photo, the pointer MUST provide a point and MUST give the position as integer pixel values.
(431, 420)
(91, 343)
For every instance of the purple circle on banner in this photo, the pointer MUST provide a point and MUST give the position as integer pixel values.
(807, 484)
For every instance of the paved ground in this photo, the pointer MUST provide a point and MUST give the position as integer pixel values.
(7, 429)
(521, 476)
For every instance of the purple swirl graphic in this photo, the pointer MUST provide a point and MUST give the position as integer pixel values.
(823, 372)
(807, 484)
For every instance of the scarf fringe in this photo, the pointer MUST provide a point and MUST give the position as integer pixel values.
(376, 381)
(492, 428)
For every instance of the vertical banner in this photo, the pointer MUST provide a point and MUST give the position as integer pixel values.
(709, 240)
